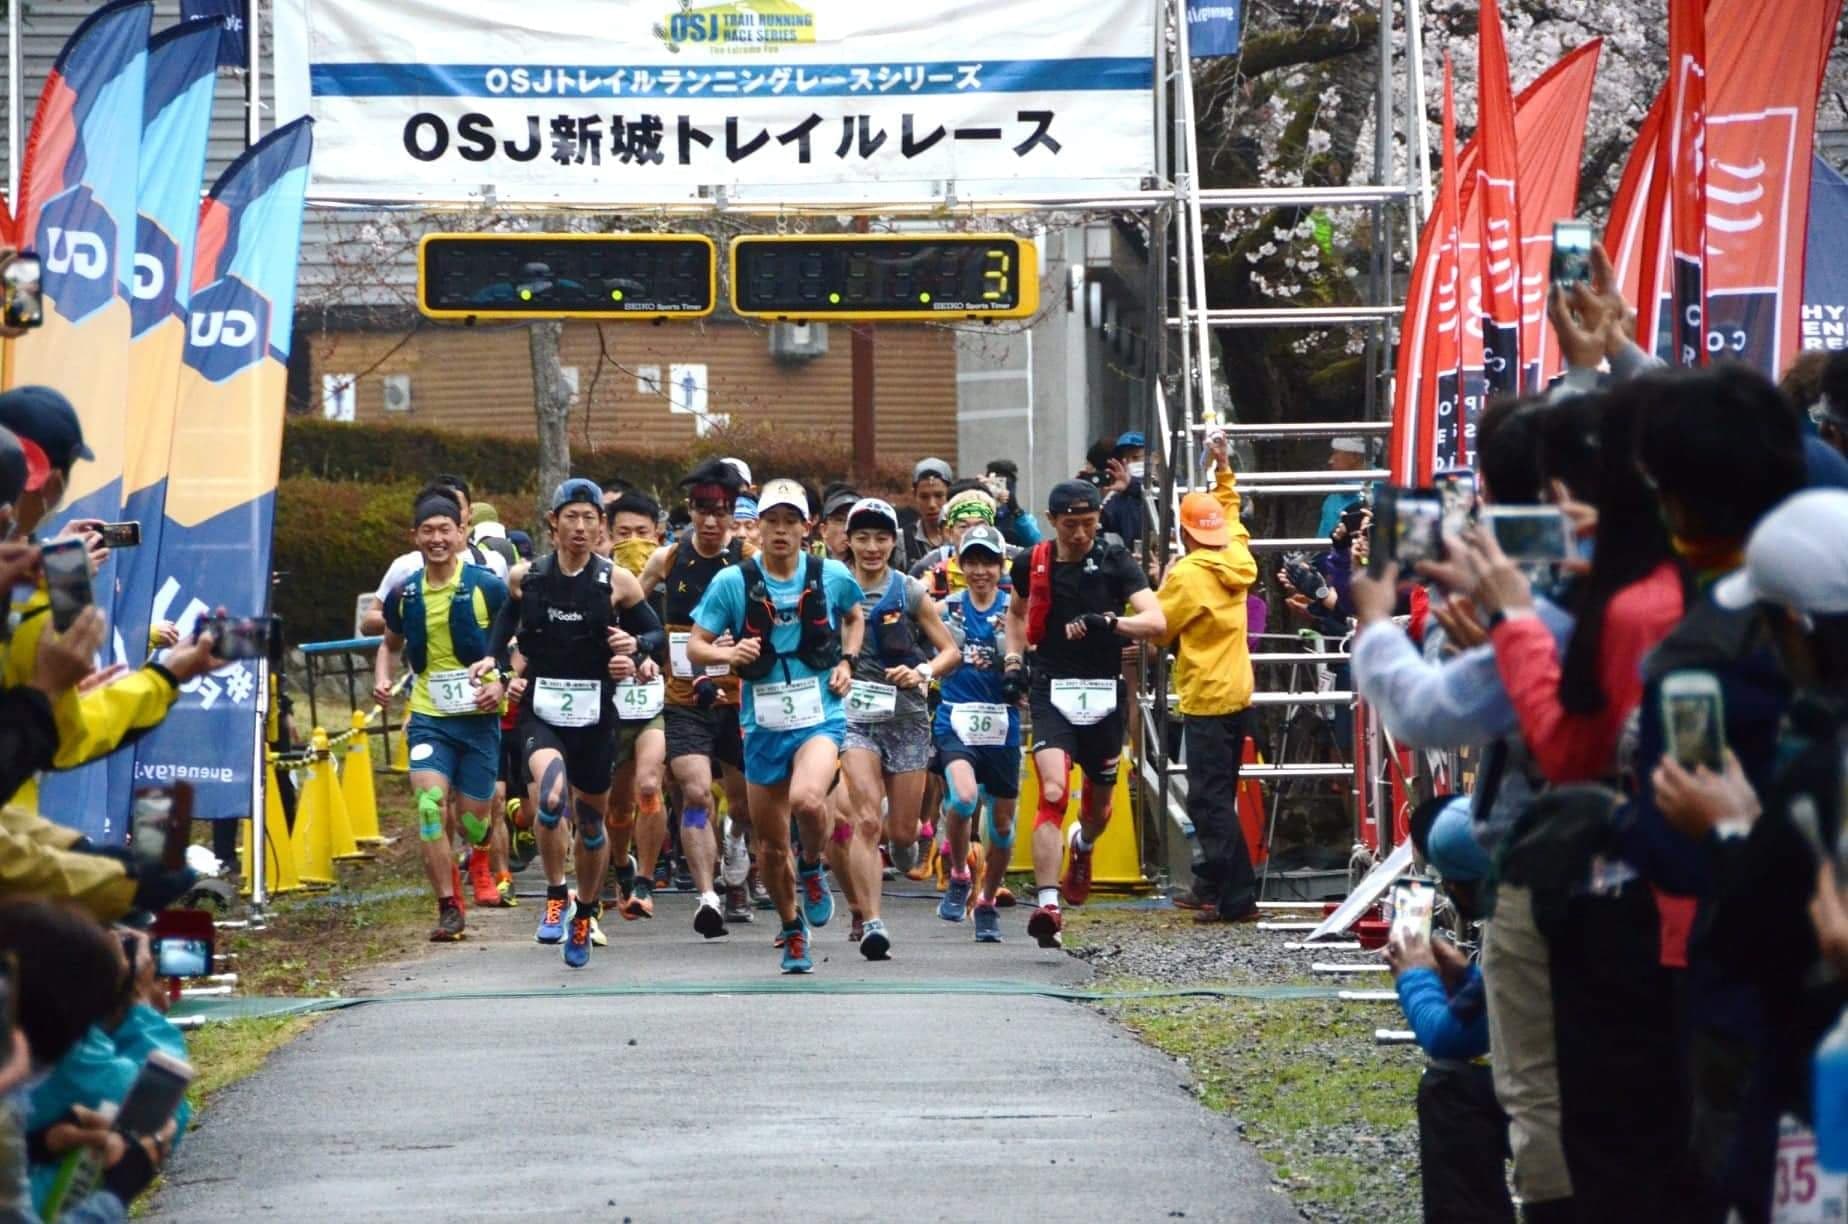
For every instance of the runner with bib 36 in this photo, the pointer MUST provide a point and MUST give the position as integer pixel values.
(583, 626)
(1069, 594)
(797, 623)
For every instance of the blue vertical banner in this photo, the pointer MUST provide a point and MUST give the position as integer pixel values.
(76, 207)
(227, 449)
(1825, 263)
(232, 16)
(176, 125)
(1214, 27)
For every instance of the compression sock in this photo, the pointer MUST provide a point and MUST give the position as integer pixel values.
(556, 892)
(1050, 897)
(586, 909)
(959, 874)
(446, 903)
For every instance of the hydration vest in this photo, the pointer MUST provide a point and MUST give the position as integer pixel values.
(565, 619)
(468, 635)
(820, 647)
(1039, 591)
(693, 572)
(893, 639)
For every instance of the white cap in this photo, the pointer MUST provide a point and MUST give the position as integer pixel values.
(782, 492)
(1795, 558)
(497, 530)
(878, 508)
(1353, 446)
(741, 467)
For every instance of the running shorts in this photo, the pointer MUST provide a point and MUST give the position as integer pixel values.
(589, 752)
(770, 755)
(629, 732)
(464, 748)
(1095, 748)
(903, 744)
(712, 733)
(997, 769)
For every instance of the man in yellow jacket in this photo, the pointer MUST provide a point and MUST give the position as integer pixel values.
(1203, 597)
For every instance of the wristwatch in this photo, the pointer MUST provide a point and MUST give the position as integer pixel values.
(851, 660)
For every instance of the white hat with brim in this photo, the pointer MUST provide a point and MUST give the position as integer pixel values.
(782, 492)
(1795, 558)
(1352, 446)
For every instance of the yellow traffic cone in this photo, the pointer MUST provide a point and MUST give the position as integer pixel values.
(356, 786)
(279, 875)
(339, 824)
(401, 750)
(312, 839)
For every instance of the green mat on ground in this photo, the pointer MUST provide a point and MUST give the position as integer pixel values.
(236, 1008)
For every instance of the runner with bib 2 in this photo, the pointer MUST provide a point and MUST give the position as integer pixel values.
(797, 627)
(888, 721)
(978, 731)
(438, 619)
(1068, 607)
(583, 626)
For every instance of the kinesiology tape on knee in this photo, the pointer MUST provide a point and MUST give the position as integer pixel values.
(959, 807)
(620, 821)
(650, 804)
(842, 833)
(552, 795)
(1048, 813)
(430, 814)
(695, 818)
(476, 827)
(590, 825)
(996, 838)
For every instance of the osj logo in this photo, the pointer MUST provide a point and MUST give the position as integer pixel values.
(156, 270)
(228, 330)
(740, 25)
(77, 239)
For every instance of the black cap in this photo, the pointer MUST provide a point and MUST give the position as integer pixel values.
(436, 506)
(44, 416)
(1073, 497)
(12, 467)
(837, 501)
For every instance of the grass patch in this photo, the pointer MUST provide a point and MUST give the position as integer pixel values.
(234, 1050)
(1333, 1113)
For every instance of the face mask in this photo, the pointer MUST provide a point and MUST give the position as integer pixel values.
(633, 554)
(1136, 468)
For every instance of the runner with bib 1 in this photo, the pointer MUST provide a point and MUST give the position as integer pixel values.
(788, 624)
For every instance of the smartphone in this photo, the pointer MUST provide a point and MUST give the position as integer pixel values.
(1693, 719)
(237, 637)
(1530, 535)
(1456, 489)
(1407, 528)
(180, 956)
(21, 285)
(1571, 263)
(1412, 903)
(121, 535)
(160, 824)
(67, 579)
(154, 1096)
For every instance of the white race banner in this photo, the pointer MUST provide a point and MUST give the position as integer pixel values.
(592, 103)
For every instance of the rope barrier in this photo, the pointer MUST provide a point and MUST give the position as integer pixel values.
(307, 756)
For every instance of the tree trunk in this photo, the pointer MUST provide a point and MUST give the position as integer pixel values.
(552, 408)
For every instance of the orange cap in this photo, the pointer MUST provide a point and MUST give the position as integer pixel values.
(1205, 520)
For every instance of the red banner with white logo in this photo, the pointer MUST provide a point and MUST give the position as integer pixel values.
(1765, 60)
(1498, 172)
(1435, 406)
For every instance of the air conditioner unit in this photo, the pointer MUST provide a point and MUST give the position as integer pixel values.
(397, 388)
(798, 341)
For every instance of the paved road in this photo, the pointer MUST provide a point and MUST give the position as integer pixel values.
(716, 1105)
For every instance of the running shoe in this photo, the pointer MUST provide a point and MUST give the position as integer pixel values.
(522, 849)
(1045, 925)
(481, 879)
(777, 940)
(683, 877)
(857, 928)
(760, 896)
(448, 925)
(875, 944)
(817, 901)
(886, 869)
(738, 904)
(664, 873)
(926, 865)
(577, 946)
(597, 938)
(1004, 897)
(900, 859)
(737, 861)
(640, 903)
(504, 886)
(552, 921)
(987, 924)
(625, 878)
(708, 921)
(955, 904)
(796, 950)
(1075, 884)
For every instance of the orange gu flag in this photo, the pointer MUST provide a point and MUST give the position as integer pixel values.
(1497, 171)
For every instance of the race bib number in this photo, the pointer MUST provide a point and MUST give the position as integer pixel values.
(452, 691)
(638, 702)
(979, 724)
(683, 666)
(870, 701)
(1084, 702)
(1802, 1191)
(567, 703)
(795, 706)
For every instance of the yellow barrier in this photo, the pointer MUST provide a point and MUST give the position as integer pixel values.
(356, 785)
(312, 840)
(279, 874)
(339, 824)
(1117, 860)
(401, 750)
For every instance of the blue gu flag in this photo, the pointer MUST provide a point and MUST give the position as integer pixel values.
(1214, 27)
(232, 16)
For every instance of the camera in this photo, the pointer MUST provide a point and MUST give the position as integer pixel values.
(1408, 527)
(238, 637)
(1304, 576)
(21, 283)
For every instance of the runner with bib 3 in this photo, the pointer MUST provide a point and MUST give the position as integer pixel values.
(438, 619)
(1069, 596)
(583, 627)
(888, 721)
(978, 732)
(797, 627)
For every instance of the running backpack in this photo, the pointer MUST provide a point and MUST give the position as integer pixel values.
(893, 641)
(1039, 591)
(820, 647)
